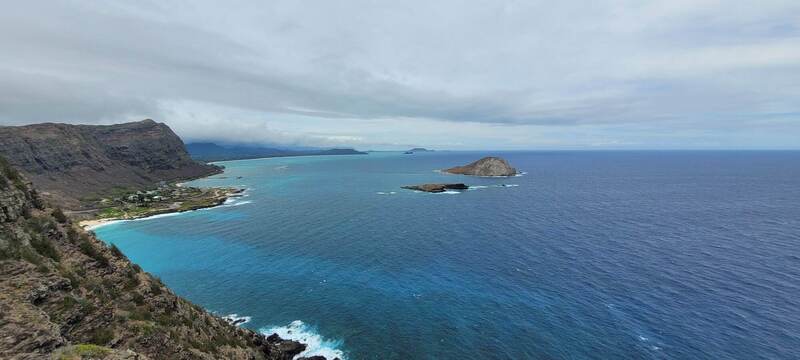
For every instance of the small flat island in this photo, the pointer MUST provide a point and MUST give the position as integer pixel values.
(488, 166)
(437, 188)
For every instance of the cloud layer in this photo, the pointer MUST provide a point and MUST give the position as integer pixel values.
(446, 74)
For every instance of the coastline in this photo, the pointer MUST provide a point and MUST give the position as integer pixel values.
(217, 200)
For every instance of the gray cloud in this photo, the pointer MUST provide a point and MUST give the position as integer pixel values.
(500, 74)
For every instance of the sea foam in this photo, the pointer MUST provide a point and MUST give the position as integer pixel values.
(235, 319)
(315, 343)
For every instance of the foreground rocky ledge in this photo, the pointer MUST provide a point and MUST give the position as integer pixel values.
(488, 166)
(66, 295)
(437, 188)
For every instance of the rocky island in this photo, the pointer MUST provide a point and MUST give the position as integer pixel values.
(488, 166)
(436, 188)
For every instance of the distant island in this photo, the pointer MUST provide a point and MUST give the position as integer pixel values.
(209, 152)
(488, 166)
(416, 150)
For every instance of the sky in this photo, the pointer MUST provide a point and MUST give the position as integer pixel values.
(494, 74)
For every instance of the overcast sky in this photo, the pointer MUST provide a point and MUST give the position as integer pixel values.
(475, 74)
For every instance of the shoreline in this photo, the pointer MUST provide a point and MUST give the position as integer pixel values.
(219, 200)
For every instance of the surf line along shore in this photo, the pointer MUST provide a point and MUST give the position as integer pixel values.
(185, 199)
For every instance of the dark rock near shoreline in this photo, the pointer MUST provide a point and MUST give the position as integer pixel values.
(286, 349)
(488, 166)
(437, 188)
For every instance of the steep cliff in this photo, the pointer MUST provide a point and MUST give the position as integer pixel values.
(70, 163)
(66, 295)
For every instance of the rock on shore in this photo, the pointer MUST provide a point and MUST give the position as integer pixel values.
(437, 188)
(488, 166)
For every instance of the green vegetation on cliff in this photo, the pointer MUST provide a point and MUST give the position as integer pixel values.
(66, 295)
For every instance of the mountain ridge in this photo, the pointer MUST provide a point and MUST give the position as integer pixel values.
(210, 151)
(70, 163)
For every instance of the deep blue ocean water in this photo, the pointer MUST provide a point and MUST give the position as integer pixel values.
(590, 255)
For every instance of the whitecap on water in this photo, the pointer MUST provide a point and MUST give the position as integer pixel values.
(234, 202)
(479, 187)
(315, 343)
(97, 226)
(237, 320)
(159, 216)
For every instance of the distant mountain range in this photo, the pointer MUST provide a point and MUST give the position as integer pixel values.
(207, 151)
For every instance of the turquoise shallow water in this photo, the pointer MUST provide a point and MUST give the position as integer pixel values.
(590, 255)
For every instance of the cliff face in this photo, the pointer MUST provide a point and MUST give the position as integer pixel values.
(73, 162)
(64, 294)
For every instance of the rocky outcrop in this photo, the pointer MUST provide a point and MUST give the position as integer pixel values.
(436, 188)
(488, 166)
(73, 162)
(66, 295)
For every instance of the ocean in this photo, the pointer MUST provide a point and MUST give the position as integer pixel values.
(588, 255)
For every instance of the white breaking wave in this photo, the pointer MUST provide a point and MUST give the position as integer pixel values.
(237, 320)
(386, 193)
(156, 216)
(96, 226)
(315, 343)
(232, 202)
(479, 187)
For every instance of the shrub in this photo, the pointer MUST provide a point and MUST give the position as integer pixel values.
(58, 214)
(90, 251)
(68, 303)
(138, 298)
(72, 235)
(44, 247)
(140, 314)
(155, 288)
(30, 256)
(40, 225)
(85, 351)
(117, 252)
(101, 336)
